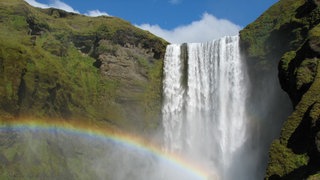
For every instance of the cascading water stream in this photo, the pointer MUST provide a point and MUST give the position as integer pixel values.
(204, 110)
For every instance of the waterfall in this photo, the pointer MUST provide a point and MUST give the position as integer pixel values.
(204, 110)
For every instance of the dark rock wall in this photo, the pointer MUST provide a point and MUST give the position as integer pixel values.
(286, 38)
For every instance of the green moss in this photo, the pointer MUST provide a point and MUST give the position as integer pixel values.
(105, 47)
(58, 79)
(286, 59)
(314, 36)
(9, 89)
(143, 62)
(315, 113)
(314, 32)
(283, 160)
(18, 22)
(49, 70)
(257, 36)
(5, 174)
(314, 177)
(306, 72)
(289, 32)
(153, 96)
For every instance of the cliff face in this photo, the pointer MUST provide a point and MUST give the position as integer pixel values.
(287, 36)
(54, 65)
(60, 65)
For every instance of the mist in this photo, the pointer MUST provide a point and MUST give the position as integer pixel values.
(40, 153)
(269, 106)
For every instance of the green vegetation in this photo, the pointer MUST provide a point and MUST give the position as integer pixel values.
(257, 36)
(58, 65)
(314, 177)
(286, 59)
(289, 32)
(306, 72)
(52, 156)
(283, 160)
(153, 96)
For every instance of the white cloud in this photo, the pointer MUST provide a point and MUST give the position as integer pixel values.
(54, 4)
(61, 5)
(206, 29)
(36, 4)
(95, 13)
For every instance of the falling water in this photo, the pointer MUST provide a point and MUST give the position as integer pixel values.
(204, 111)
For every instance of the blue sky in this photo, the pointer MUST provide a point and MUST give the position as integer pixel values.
(175, 20)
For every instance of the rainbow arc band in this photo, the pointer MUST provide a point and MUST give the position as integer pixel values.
(112, 134)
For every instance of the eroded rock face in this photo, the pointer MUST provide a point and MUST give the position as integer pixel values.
(69, 66)
(136, 69)
(289, 38)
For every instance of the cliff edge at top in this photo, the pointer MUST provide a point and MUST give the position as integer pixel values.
(60, 65)
(287, 36)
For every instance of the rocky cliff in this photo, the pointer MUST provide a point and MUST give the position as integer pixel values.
(287, 38)
(60, 65)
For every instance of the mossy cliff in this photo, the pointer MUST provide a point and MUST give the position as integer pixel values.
(60, 65)
(55, 65)
(287, 36)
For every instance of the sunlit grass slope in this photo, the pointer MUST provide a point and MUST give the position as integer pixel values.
(55, 64)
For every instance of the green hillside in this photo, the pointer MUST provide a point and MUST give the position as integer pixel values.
(55, 64)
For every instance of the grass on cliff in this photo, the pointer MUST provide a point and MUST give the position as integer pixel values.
(43, 72)
(47, 71)
(257, 33)
(283, 160)
(314, 177)
(42, 65)
(152, 97)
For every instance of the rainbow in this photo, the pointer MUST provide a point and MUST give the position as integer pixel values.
(129, 140)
